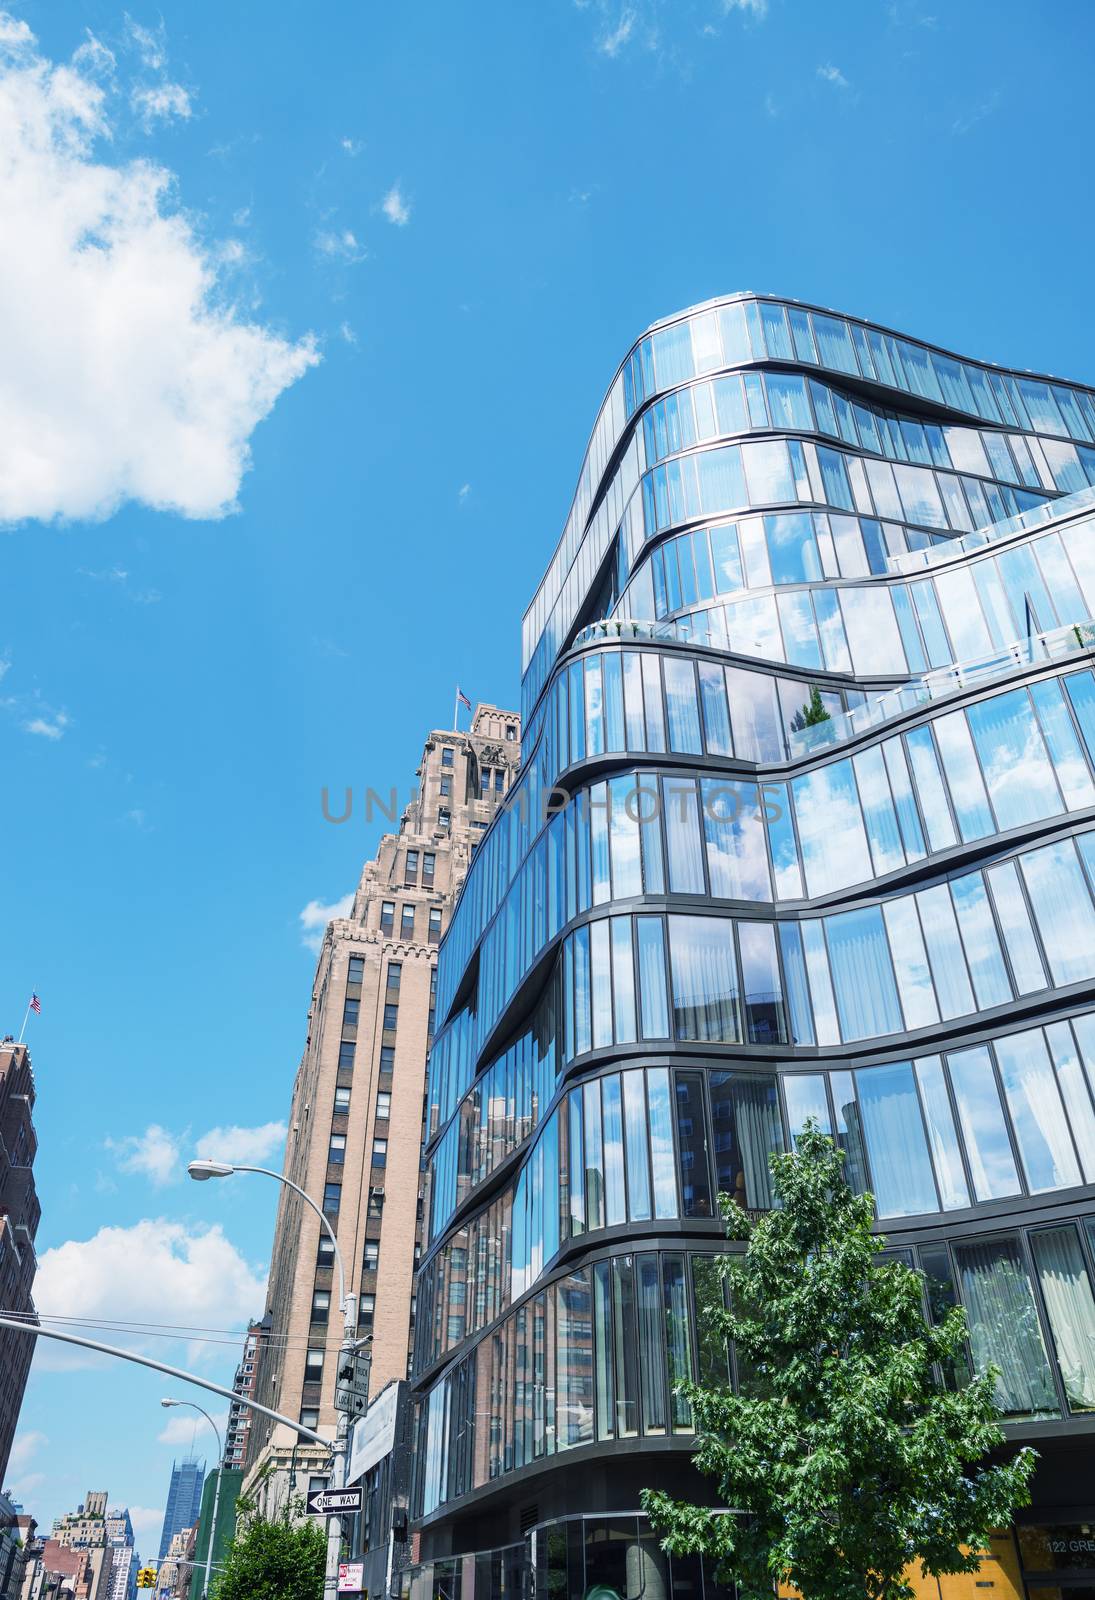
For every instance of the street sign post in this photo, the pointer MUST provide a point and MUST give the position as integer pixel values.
(335, 1502)
(352, 1383)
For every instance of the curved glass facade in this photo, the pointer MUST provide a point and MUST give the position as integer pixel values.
(805, 827)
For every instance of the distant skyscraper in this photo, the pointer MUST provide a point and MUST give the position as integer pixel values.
(183, 1500)
(19, 1214)
(355, 1125)
(239, 1415)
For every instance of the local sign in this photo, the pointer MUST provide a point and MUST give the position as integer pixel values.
(351, 1577)
(334, 1502)
(352, 1384)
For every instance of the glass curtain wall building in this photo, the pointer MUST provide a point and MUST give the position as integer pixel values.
(805, 827)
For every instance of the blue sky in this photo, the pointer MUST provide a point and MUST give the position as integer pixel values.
(286, 437)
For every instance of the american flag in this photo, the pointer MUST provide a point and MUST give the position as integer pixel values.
(462, 697)
(35, 1004)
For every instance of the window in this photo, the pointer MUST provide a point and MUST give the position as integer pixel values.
(446, 787)
(406, 922)
(313, 1365)
(367, 1312)
(376, 1203)
(346, 1053)
(391, 1017)
(350, 1014)
(387, 916)
(435, 925)
(332, 1198)
(446, 755)
(336, 1153)
(356, 970)
(511, 730)
(1003, 1326)
(384, 1104)
(316, 1484)
(380, 1153)
(321, 1305)
(429, 863)
(395, 973)
(325, 1253)
(499, 779)
(410, 867)
(309, 1417)
(387, 1058)
(485, 782)
(444, 816)
(371, 1255)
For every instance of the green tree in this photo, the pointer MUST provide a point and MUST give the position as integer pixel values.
(811, 713)
(274, 1561)
(842, 1454)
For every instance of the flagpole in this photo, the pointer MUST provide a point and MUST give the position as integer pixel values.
(456, 709)
(26, 1019)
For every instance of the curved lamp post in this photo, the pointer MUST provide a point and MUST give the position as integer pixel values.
(216, 1492)
(201, 1171)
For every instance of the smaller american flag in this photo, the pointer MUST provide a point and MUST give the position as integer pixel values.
(35, 1004)
(462, 697)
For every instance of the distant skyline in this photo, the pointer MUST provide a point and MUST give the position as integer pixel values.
(314, 302)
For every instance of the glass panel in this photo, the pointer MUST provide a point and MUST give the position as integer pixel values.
(930, 790)
(716, 719)
(625, 1339)
(1062, 910)
(605, 1385)
(627, 878)
(1022, 946)
(705, 989)
(601, 985)
(747, 1131)
(781, 842)
(1017, 770)
(806, 1098)
(652, 1360)
(762, 992)
(712, 1354)
(680, 696)
(831, 832)
(661, 1142)
(1074, 1092)
(692, 1142)
(910, 961)
(623, 980)
(1004, 1330)
(682, 829)
(908, 817)
(798, 993)
(635, 1125)
(1037, 1115)
(754, 715)
(1066, 1290)
(967, 789)
(878, 811)
(942, 1135)
(984, 1130)
(817, 966)
(652, 973)
(1064, 747)
(862, 974)
(942, 1297)
(948, 964)
(677, 1338)
(982, 945)
(737, 859)
(896, 1145)
(849, 1131)
(615, 1207)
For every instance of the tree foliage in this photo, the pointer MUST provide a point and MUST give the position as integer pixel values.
(844, 1459)
(274, 1561)
(813, 712)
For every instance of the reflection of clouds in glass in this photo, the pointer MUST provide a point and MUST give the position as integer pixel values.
(910, 964)
(1017, 770)
(834, 845)
(737, 856)
(983, 1126)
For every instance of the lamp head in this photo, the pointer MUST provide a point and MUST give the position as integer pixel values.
(201, 1171)
(171, 1402)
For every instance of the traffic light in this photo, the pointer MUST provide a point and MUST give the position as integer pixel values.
(146, 1578)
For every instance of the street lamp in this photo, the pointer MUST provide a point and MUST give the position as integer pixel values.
(201, 1171)
(216, 1491)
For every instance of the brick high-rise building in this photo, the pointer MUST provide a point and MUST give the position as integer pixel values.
(240, 1415)
(355, 1125)
(19, 1214)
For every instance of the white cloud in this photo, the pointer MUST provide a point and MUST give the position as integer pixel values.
(315, 917)
(147, 1523)
(755, 8)
(612, 42)
(347, 333)
(246, 1145)
(153, 1154)
(25, 1448)
(395, 207)
(180, 1429)
(153, 1272)
(126, 375)
(352, 147)
(463, 493)
(150, 46)
(977, 113)
(159, 103)
(833, 75)
(340, 245)
(50, 727)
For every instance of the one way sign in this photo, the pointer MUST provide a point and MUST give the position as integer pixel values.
(334, 1502)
